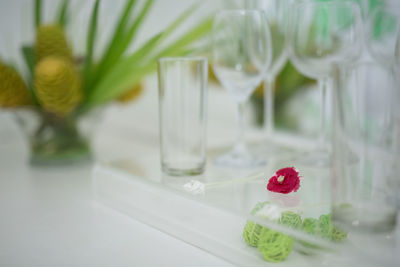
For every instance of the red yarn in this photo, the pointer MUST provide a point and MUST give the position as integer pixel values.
(284, 181)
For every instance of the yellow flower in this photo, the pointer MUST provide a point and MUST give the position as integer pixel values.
(13, 91)
(131, 94)
(51, 41)
(57, 85)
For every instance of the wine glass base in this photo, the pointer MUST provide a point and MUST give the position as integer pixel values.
(239, 160)
(318, 159)
(268, 149)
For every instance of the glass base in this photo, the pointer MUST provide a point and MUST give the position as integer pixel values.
(268, 149)
(57, 140)
(367, 218)
(182, 171)
(235, 159)
(316, 159)
(77, 155)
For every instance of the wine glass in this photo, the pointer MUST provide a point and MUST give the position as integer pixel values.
(323, 37)
(276, 12)
(383, 27)
(241, 53)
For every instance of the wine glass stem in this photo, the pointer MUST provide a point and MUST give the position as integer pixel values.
(240, 145)
(322, 84)
(269, 86)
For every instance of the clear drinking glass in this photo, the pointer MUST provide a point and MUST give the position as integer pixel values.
(365, 181)
(323, 36)
(276, 12)
(241, 54)
(182, 114)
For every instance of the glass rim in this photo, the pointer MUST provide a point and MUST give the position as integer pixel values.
(241, 11)
(175, 59)
(327, 4)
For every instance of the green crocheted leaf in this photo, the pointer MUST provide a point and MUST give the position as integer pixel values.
(325, 225)
(310, 225)
(291, 219)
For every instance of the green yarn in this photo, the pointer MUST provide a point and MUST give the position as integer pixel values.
(310, 225)
(252, 232)
(337, 234)
(325, 225)
(291, 219)
(322, 227)
(274, 246)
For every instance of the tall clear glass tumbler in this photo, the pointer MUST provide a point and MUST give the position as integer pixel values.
(364, 177)
(182, 114)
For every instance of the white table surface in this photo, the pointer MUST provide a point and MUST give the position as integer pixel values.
(49, 217)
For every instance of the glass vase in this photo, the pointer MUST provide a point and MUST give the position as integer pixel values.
(55, 140)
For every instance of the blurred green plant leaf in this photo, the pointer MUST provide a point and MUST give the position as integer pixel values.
(28, 54)
(88, 67)
(131, 34)
(124, 36)
(118, 35)
(133, 68)
(62, 17)
(192, 35)
(116, 83)
(38, 12)
(122, 25)
(147, 48)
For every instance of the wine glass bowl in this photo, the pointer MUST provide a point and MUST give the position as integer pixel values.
(237, 61)
(276, 13)
(323, 34)
(383, 29)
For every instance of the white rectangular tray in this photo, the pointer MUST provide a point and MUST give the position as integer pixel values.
(214, 218)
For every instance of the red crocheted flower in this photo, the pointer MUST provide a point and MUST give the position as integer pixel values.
(284, 181)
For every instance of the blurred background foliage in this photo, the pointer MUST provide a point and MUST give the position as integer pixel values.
(111, 52)
(94, 79)
(296, 102)
(60, 83)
